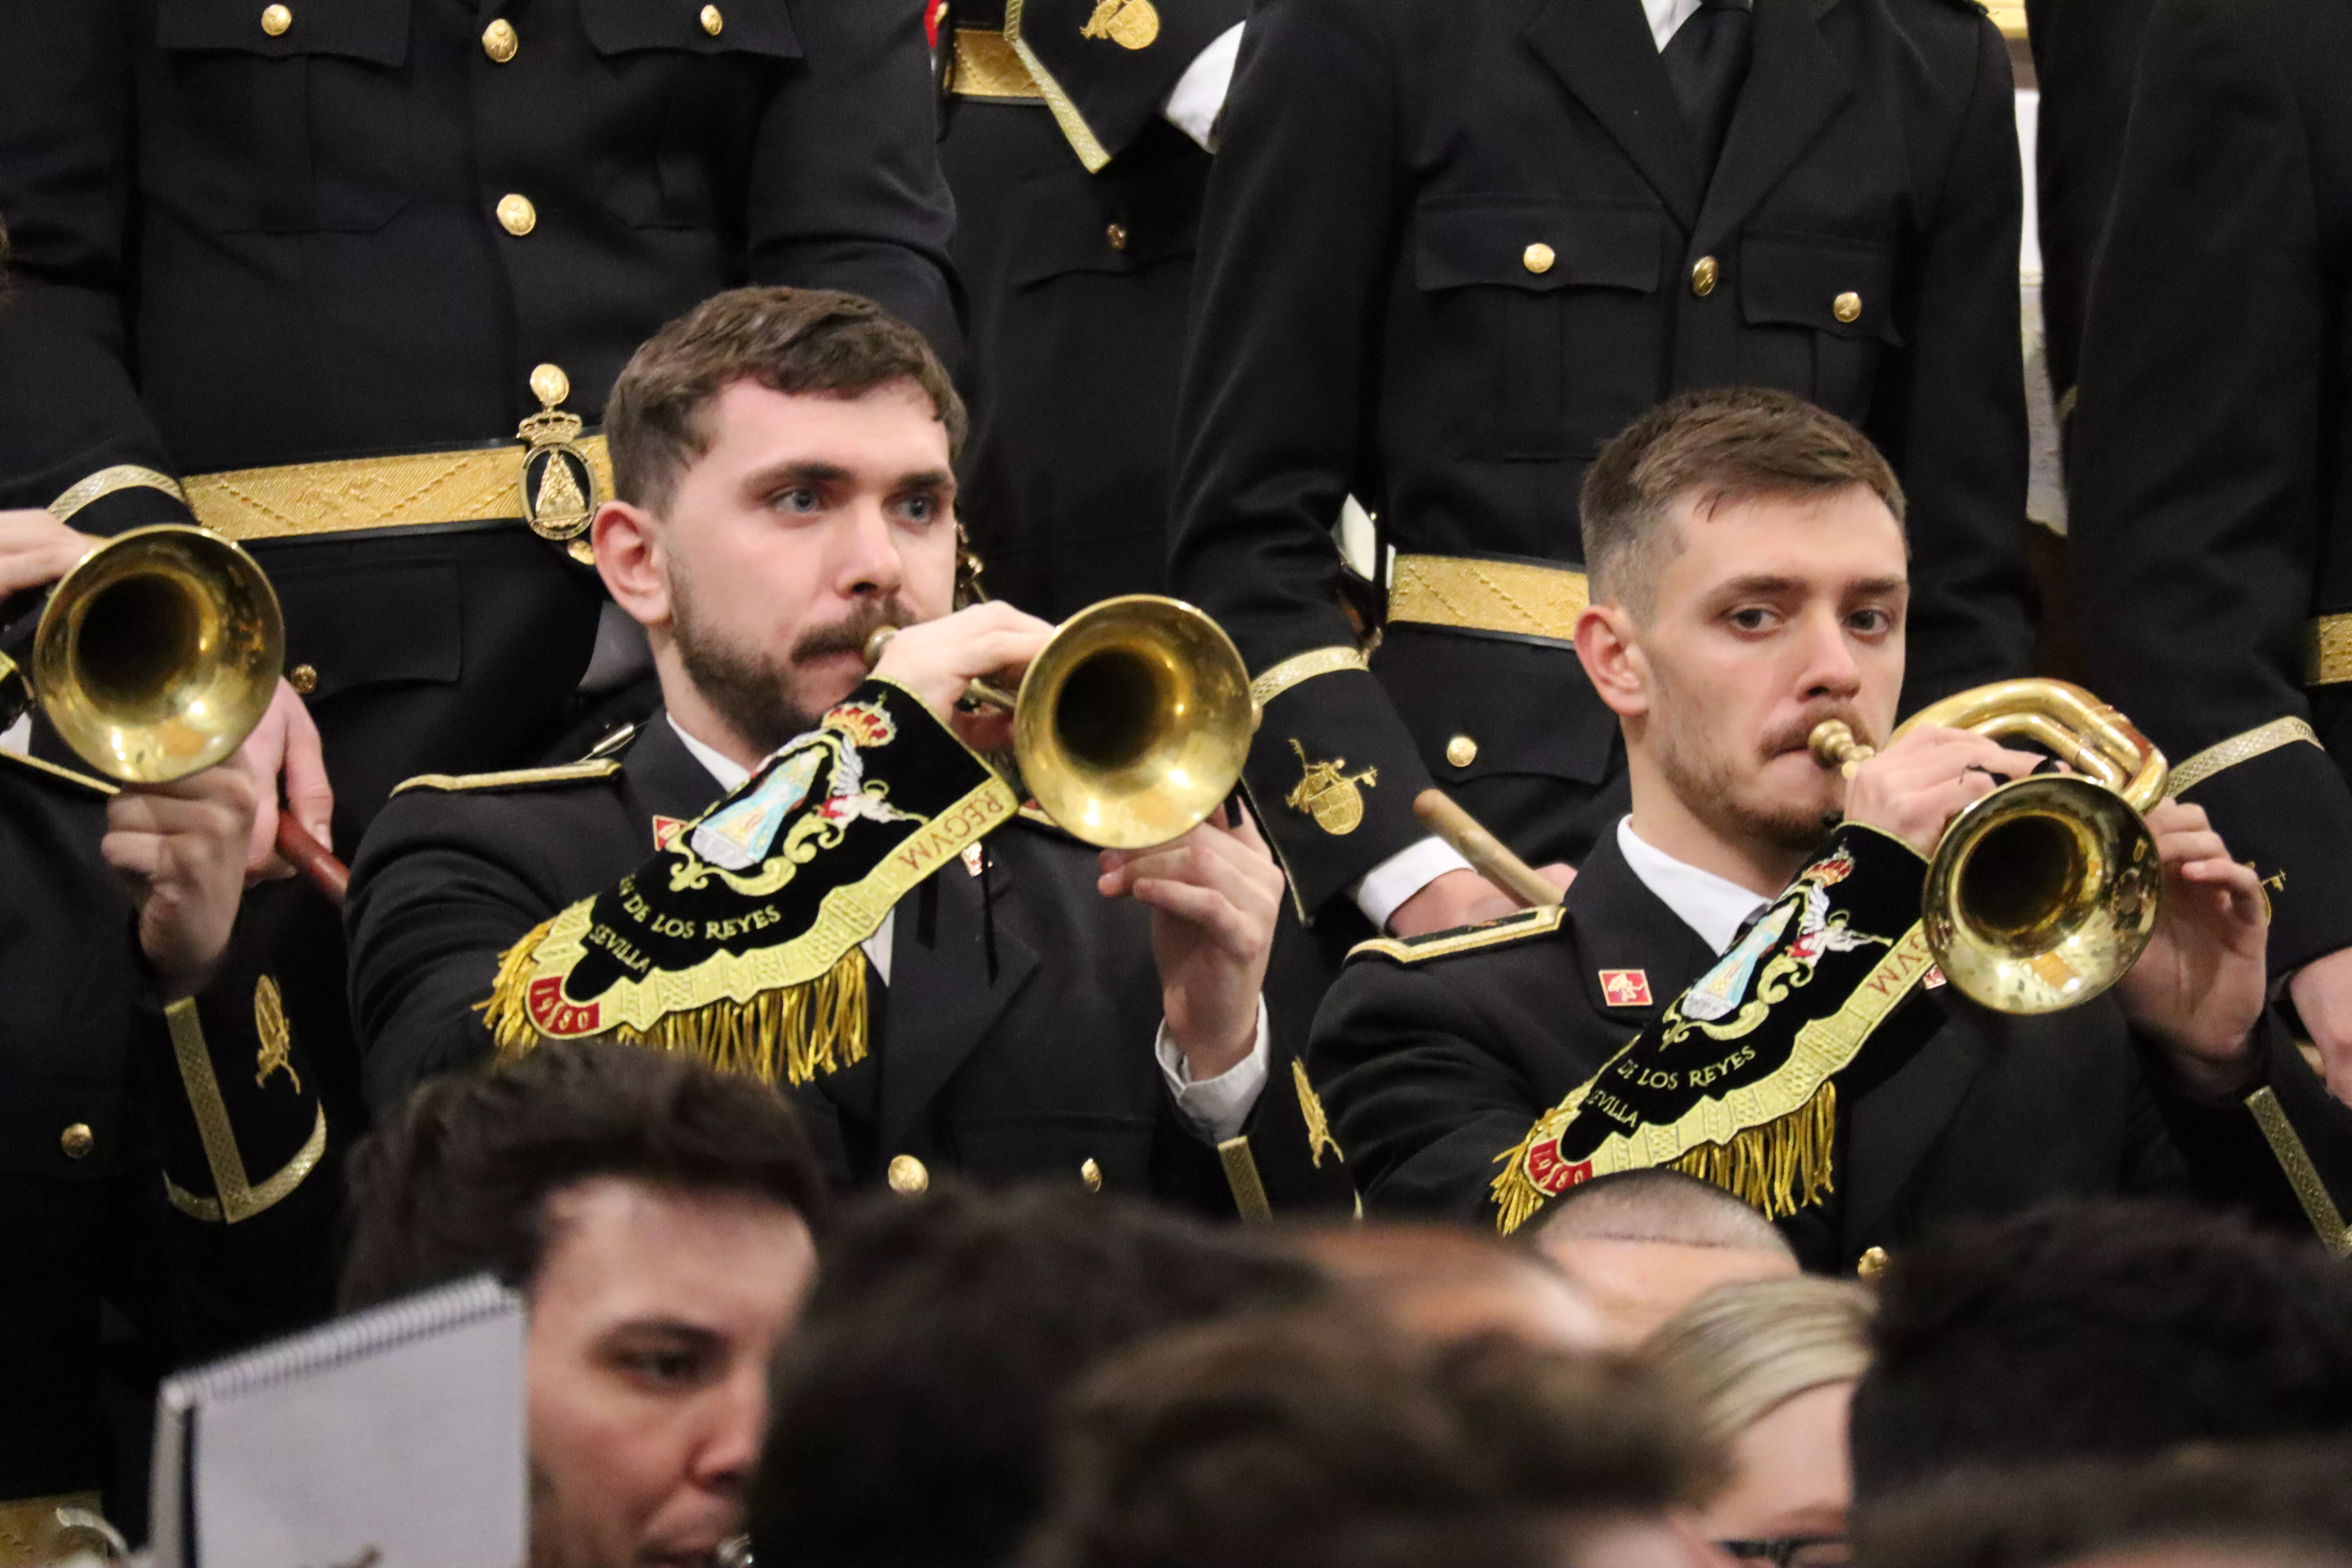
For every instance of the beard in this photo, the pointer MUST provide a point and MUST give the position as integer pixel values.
(758, 693)
(1707, 778)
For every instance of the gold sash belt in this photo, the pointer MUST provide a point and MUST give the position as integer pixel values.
(986, 65)
(303, 500)
(1515, 597)
(2329, 654)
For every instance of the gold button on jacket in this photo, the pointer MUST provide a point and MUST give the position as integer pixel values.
(1460, 751)
(500, 42)
(76, 1141)
(908, 1175)
(1847, 307)
(1704, 272)
(276, 20)
(1872, 1264)
(712, 21)
(516, 215)
(1537, 257)
(303, 679)
(1117, 234)
(1091, 1174)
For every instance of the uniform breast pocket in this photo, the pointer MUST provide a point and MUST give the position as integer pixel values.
(1114, 222)
(289, 119)
(1544, 328)
(675, 114)
(1819, 313)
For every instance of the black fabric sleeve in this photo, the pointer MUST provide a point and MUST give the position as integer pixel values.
(2196, 447)
(1297, 240)
(2234, 1160)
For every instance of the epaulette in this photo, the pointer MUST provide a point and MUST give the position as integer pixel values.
(64, 775)
(1522, 927)
(603, 761)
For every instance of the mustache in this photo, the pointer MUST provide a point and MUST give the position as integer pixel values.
(852, 631)
(1797, 734)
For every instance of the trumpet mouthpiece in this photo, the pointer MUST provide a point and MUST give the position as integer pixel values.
(876, 642)
(1834, 746)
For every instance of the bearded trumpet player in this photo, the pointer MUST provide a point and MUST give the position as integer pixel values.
(804, 870)
(1740, 982)
(170, 1150)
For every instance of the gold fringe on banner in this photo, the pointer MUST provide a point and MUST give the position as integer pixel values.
(1778, 1168)
(796, 1035)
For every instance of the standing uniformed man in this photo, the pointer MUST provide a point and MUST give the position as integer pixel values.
(1077, 140)
(1448, 250)
(170, 1138)
(258, 246)
(2210, 499)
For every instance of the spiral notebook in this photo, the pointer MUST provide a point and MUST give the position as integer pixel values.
(393, 1439)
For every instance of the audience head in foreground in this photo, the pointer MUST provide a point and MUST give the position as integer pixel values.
(658, 1217)
(1770, 1365)
(2262, 1506)
(2098, 1328)
(1449, 1282)
(1331, 1440)
(913, 1407)
(1641, 1244)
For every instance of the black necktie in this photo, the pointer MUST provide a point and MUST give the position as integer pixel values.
(1706, 61)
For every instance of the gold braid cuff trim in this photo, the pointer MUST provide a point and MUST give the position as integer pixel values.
(2239, 748)
(1319, 1124)
(1785, 1119)
(2295, 1161)
(795, 1034)
(1241, 1175)
(1523, 598)
(1304, 667)
(107, 482)
(238, 1199)
(1083, 140)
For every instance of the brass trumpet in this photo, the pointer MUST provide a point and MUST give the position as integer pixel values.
(1132, 722)
(156, 656)
(2044, 892)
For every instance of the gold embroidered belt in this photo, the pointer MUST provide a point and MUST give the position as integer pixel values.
(30, 1531)
(986, 65)
(2328, 660)
(413, 489)
(1521, 598)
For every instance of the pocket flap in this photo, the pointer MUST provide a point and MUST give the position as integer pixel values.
(1526, 708)
(1537, 243)
(1125, 228)
(371, 30)
(744, 26)
(358, 622)
(1811, 280)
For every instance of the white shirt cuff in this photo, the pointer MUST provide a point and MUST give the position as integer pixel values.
(1218, 1106)
(1200, 95)
(1402, 875)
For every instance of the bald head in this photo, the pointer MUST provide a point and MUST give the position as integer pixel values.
(1641, 1246)
(1446, 1283)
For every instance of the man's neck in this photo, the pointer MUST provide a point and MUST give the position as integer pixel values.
(1667, 825)
(694, 715)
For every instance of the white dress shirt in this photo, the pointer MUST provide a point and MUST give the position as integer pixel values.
(1200, 93)
(1666, 18)
(1217, 1106)
(1712, 906)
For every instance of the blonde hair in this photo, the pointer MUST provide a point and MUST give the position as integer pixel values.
(1743, 1349)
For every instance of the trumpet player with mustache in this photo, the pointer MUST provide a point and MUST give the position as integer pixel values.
(1737, 983)
(803, 870)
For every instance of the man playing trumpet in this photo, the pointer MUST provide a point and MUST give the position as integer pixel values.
(1737, 983)
(804, 870)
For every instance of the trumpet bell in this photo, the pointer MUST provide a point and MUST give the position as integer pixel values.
(1133, 722)
(2042, 894)
(158, 653)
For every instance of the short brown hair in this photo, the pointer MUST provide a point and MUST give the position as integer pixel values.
(1321, 1440)
(1719, 446)
(457, 1181)
(788, 340)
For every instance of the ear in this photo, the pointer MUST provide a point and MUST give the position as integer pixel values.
(1609, 645)
(629, 558)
